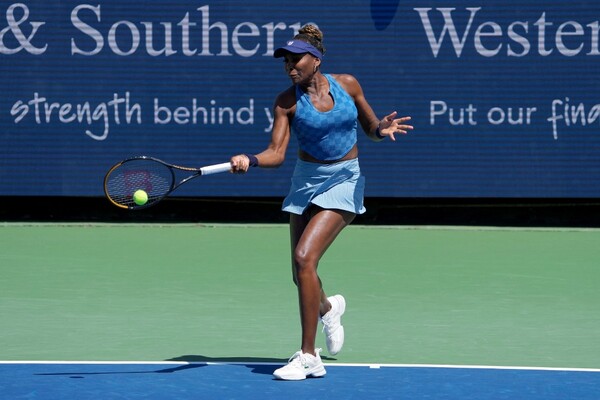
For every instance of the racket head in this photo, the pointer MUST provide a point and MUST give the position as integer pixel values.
(152, 175)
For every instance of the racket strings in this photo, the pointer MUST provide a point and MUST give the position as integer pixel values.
(154, 178)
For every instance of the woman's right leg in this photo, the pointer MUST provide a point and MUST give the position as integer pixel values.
(311, 235)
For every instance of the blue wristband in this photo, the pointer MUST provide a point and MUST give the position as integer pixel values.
(253, 160)
(378, 134)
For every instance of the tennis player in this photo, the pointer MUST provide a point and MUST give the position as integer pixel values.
(327, 187)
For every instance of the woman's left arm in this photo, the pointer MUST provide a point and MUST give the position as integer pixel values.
(375, 128)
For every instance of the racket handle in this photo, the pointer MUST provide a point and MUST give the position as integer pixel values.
(216, 168)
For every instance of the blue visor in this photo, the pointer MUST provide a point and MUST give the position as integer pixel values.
(297, 47)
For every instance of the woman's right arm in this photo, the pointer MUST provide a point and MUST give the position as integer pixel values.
(274, 155)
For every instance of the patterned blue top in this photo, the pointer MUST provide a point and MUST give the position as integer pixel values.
(326, 135)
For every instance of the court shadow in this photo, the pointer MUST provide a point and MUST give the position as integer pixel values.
(81, 374)
(192, 358)
(257, 365)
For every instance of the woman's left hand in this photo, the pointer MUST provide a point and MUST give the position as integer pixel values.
(390, 125)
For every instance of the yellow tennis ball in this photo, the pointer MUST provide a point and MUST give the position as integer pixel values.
(140, 197)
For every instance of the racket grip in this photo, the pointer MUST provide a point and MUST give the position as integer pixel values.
(216, 168)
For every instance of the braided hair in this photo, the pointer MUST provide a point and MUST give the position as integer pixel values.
(311, 34)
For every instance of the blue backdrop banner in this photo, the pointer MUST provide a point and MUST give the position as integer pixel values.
(503, 94)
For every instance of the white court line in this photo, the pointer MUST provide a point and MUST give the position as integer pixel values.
(369, 365)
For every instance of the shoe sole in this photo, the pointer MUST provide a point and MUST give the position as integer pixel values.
(341, 301)
(316, 374)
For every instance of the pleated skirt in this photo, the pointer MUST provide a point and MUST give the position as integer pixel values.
(338, 186)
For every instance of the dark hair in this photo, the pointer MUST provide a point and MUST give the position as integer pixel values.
(311, 34)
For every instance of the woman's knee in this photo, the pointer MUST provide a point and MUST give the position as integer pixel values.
(305, 267)
(304, 261)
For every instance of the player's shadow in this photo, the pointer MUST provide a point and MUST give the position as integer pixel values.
(82, 374)
(257, 365)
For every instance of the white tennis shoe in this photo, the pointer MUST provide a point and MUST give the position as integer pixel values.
(332, 324)
(300, 366)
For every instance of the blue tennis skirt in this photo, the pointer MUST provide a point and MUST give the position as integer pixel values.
(338, 186)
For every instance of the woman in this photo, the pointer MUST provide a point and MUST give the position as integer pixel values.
(327, 187)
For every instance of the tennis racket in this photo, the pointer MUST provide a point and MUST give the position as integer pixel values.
(156, 177)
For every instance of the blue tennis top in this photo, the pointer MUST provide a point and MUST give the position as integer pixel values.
(327, 135)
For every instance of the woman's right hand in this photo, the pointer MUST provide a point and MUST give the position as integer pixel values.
(240, 164)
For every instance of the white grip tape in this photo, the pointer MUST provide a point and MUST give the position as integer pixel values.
(216, 168)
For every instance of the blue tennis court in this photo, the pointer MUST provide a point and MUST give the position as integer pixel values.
(254, 381)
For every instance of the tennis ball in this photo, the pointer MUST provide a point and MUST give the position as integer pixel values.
(140, 197)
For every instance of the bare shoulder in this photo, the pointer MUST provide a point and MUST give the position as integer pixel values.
(286, 99)
(349, 83)
(285, 103)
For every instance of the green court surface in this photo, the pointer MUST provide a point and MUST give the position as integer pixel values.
(416, 295)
